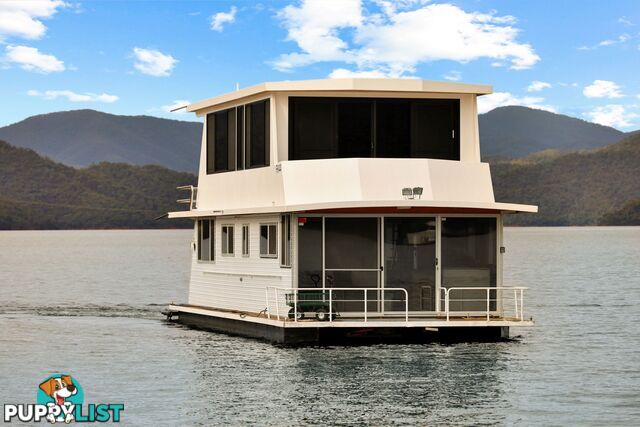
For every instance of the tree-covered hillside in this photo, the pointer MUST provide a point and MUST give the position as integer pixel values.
(575, 188)
(37, 193)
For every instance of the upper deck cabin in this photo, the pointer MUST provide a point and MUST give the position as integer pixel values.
(342, 144)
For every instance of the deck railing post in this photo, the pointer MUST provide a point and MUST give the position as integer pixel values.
(488, 302)
(446, 302)
(365, 304)
(275, 291)
(521, 304)
(515, 301)
(406, 306)
(295, 305)
(330, 305)
(266, 297)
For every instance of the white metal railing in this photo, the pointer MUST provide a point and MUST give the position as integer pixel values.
(193, 196)
(495, 301)
(324, 299)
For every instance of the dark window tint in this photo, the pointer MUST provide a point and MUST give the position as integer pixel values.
(393, 136)
(321, 128)
(311, 129)
(434, 130)
(240, 137)
(355, 121)
(211, 140)
(310, 252)
(225, 140)
(257, 134)
(351, 243)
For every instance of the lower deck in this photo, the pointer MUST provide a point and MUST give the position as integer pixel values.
(348, 330)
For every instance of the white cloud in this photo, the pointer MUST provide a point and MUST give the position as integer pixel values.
(602, 89)
(314, 27)
(176, 104)
(502, 99)
(153, 62)
(219, 19)
(31, 59)
(611, 115)
(608, 42)
(343, 73)
(73, 96)
(537, 86)
(624, 21)
(21, 18)
(453, 76)
(396, 40)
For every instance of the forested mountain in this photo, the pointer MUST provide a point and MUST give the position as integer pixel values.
(37, 193)
(85, 137)
(511, 132)
(578, 188)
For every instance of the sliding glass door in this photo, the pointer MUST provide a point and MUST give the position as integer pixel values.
(469, 260)
(410, 262)
(352, 260)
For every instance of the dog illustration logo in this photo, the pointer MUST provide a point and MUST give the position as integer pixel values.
(63, 392)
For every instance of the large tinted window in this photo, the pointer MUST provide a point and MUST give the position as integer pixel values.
(257, 134)
(393, 129)
(355, 121)
(355, 127)
(238, 138)
(311, 124)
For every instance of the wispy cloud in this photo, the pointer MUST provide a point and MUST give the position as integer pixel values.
(624, 21)
(73, 96)
(178, 103)
(221, 18)
(31, 59)
(608, 42)
(502, 99)
(537, 86)
(453, 76)
(153, 62)
(399, 37)
(612, 115)
(22, 18)
(602, 89)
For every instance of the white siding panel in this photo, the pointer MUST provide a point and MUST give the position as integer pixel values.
(237, 282)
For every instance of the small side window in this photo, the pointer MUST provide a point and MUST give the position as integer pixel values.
(206, 239)
(285, 241)
(269, 240)
(245, 240)
(227, 239)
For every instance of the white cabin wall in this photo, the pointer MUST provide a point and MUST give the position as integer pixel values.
(237, 282)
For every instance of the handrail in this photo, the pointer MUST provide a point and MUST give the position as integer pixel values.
(192, 200)
(331, 300)
(518, 299)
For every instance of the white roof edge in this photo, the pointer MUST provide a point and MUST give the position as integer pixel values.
(503, 207)
(352, 84)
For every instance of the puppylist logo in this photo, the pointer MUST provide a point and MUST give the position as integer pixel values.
(60, 399)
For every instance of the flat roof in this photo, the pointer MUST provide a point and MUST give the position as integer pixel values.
(345, 85)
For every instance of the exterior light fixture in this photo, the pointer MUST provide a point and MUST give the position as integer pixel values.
(407, 193)
(417, 191)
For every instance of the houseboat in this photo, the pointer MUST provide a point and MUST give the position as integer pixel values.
(347, 210)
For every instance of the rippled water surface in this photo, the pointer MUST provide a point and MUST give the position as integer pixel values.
(88, 303)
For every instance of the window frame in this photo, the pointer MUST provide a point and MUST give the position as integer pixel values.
(199, 231)
(335, 102)
(239, 154)
(227, 235)
(269, 239)
(246, 238)
(285, 241)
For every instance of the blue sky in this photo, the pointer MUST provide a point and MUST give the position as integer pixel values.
(580, 58)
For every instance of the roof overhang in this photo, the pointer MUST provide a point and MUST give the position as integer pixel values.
(345, 85)
(401, 205)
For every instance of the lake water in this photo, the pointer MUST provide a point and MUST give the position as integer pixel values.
(88, 303)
